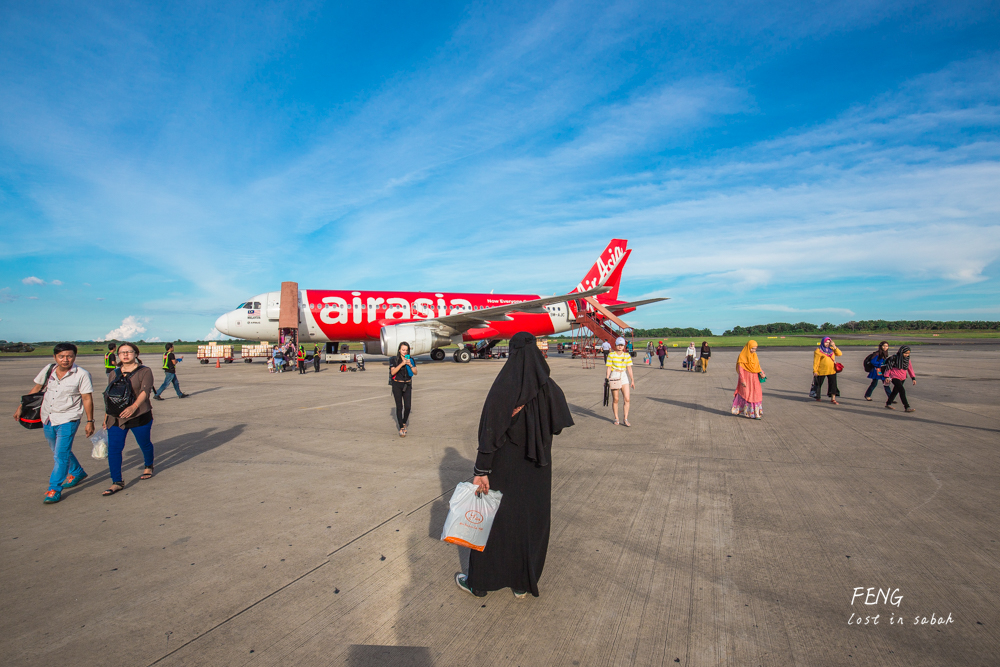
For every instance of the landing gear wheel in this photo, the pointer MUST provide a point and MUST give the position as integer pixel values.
(463, 356)
(437, 354)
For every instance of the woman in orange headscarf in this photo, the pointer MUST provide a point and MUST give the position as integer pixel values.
(748, 397)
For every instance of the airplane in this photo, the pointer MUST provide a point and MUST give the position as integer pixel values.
(429, 321)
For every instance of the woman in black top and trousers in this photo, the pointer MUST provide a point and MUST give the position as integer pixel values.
(523, 410)
(401, 372)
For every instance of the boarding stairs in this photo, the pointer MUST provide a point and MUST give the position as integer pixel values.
(595, 327)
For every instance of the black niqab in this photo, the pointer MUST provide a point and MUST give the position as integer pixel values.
(524, 381)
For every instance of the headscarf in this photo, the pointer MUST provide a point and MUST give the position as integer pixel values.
(898, 361)
(690, 351)
(826, 349)
(524, 381)
(705, 349)
(748, 360)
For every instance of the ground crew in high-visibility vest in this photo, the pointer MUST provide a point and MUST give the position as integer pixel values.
(170, 371)
(110, 360)
(301, 357)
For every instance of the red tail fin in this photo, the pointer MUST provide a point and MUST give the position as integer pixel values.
(614, 280)
(607, 266)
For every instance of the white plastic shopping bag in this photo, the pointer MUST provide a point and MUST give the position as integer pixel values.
(470, 517)
(100, 440)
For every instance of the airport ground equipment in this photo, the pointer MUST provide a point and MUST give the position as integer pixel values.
(215, 351)
(594, 326)
(250, 352)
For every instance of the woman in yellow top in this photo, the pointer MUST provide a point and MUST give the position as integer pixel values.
(824, 366)
(619, 364)
(748, 397)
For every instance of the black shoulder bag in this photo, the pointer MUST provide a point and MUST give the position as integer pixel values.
(31, 404)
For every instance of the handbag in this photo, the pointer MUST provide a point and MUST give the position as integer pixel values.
(31, 404)
(837, 366)
(607, 391)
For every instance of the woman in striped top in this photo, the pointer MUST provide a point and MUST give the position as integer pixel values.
(618, 364)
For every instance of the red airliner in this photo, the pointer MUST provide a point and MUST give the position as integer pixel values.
(429, 321)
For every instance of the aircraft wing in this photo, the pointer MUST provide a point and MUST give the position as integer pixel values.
(473, 319)
(634, 304)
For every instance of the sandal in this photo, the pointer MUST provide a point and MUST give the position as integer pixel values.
(889, 407)
(115, 488)
(626, 423)
(868, 398)
(147, 473)
(616, 422)
(402, 432)
(834, 401)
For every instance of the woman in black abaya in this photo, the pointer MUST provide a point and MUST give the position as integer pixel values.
(523, 410)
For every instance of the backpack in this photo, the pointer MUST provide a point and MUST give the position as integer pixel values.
(869, 366)
(119, 394)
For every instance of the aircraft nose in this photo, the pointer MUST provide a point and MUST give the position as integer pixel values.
(222, 324)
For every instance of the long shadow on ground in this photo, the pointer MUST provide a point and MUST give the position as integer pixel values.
(168, 453)
(690, 406)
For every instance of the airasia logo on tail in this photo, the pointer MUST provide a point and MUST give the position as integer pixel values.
(604, 266)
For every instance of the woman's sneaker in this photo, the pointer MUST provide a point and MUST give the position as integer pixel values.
(463, 583)
(519, 594)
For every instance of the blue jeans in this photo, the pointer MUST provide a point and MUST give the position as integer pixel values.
(61, 443)
(170, 377)
(116, 444)
(876, 382)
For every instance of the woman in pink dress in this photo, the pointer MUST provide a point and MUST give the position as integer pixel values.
(748, 397)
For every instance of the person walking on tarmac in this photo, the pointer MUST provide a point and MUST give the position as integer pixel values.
(68, 395)
(300, 356)
(316, 359)
(137, 417)
(170, 373)
(110, 360)
(401, 372)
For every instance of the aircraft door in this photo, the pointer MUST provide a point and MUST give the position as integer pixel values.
(273, 305)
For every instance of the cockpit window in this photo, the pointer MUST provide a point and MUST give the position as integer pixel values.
(256, 304)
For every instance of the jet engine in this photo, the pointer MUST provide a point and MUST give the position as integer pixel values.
(421, 339)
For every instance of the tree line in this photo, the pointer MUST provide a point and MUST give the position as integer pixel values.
(668, 331)
(862, 325)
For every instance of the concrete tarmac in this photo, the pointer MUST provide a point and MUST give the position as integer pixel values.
(288, 524)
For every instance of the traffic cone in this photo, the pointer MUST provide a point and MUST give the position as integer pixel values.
(217, 364)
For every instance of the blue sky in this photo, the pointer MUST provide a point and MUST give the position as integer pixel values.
(767, 162)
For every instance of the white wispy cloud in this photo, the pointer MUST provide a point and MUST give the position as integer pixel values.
(129, 329)
(32, 280)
